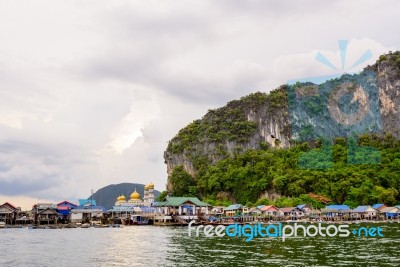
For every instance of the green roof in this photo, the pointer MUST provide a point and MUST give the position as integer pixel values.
(178, 201)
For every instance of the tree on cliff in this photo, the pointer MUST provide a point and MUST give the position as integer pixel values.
(184, 184)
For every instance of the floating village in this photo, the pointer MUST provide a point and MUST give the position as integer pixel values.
(179, 211)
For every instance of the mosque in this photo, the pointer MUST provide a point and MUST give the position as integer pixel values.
(135, 200)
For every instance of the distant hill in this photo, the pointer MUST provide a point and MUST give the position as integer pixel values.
(107, 195)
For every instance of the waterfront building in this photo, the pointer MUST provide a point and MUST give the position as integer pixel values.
(255, 211)
(379, 206)
(135, 200)
(336, 211)
(8, 213)
(47, 216)
(390, 212)
(234, 209)
(270, 211)
(338, 207)
(363, 212)
(180, 210)
(24, 218)
(305, 208)
(123, 210)
(86, 213)
(44, 213)
(188, 206)
(64, 210)
(217, 210)
(291, 213)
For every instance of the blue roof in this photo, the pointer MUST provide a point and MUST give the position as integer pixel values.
(234, 207)
(301, 206)
(377, 206)
(260, 207)
(83, 202)
(338, 207)
(361, 208)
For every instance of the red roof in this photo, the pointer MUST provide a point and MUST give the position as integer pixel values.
(63, 208)
(270, 207)
(287, 209)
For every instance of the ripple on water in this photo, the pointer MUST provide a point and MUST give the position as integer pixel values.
(169, 246)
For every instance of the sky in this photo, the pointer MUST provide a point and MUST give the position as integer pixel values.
(91, 91)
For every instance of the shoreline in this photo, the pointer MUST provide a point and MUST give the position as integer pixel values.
(84, 226)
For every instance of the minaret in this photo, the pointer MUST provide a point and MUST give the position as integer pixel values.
(150, 196)
(146, 196)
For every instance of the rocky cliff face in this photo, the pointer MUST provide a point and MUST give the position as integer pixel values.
(389, 92)
(261, 121)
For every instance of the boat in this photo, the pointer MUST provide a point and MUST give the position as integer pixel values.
(114, 225)
(138, 220)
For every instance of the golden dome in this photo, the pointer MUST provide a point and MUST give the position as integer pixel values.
(135, 195)
(121, 198)
(146, 187)
(151, 186)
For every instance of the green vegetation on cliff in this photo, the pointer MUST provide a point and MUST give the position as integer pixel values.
(246, 176)
(231, 154)
(228, 123)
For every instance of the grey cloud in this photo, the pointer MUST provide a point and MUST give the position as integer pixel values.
(21, 187)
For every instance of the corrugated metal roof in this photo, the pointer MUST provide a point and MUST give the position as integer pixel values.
(301, 206)
(83, 202)
(178, 201)
(337, 207)
(254, 210)
(234, 207)
(288, 209)
(123, 208)
(390, 210)
(269, 207)
(377, 206)
(363, 209)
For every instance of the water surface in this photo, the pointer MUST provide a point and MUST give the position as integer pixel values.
(171, 246)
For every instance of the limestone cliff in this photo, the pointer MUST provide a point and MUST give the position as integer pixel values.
(261, 120)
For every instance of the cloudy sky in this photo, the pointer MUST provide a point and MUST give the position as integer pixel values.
(91, 91)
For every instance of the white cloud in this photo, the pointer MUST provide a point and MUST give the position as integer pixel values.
(305, 65)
